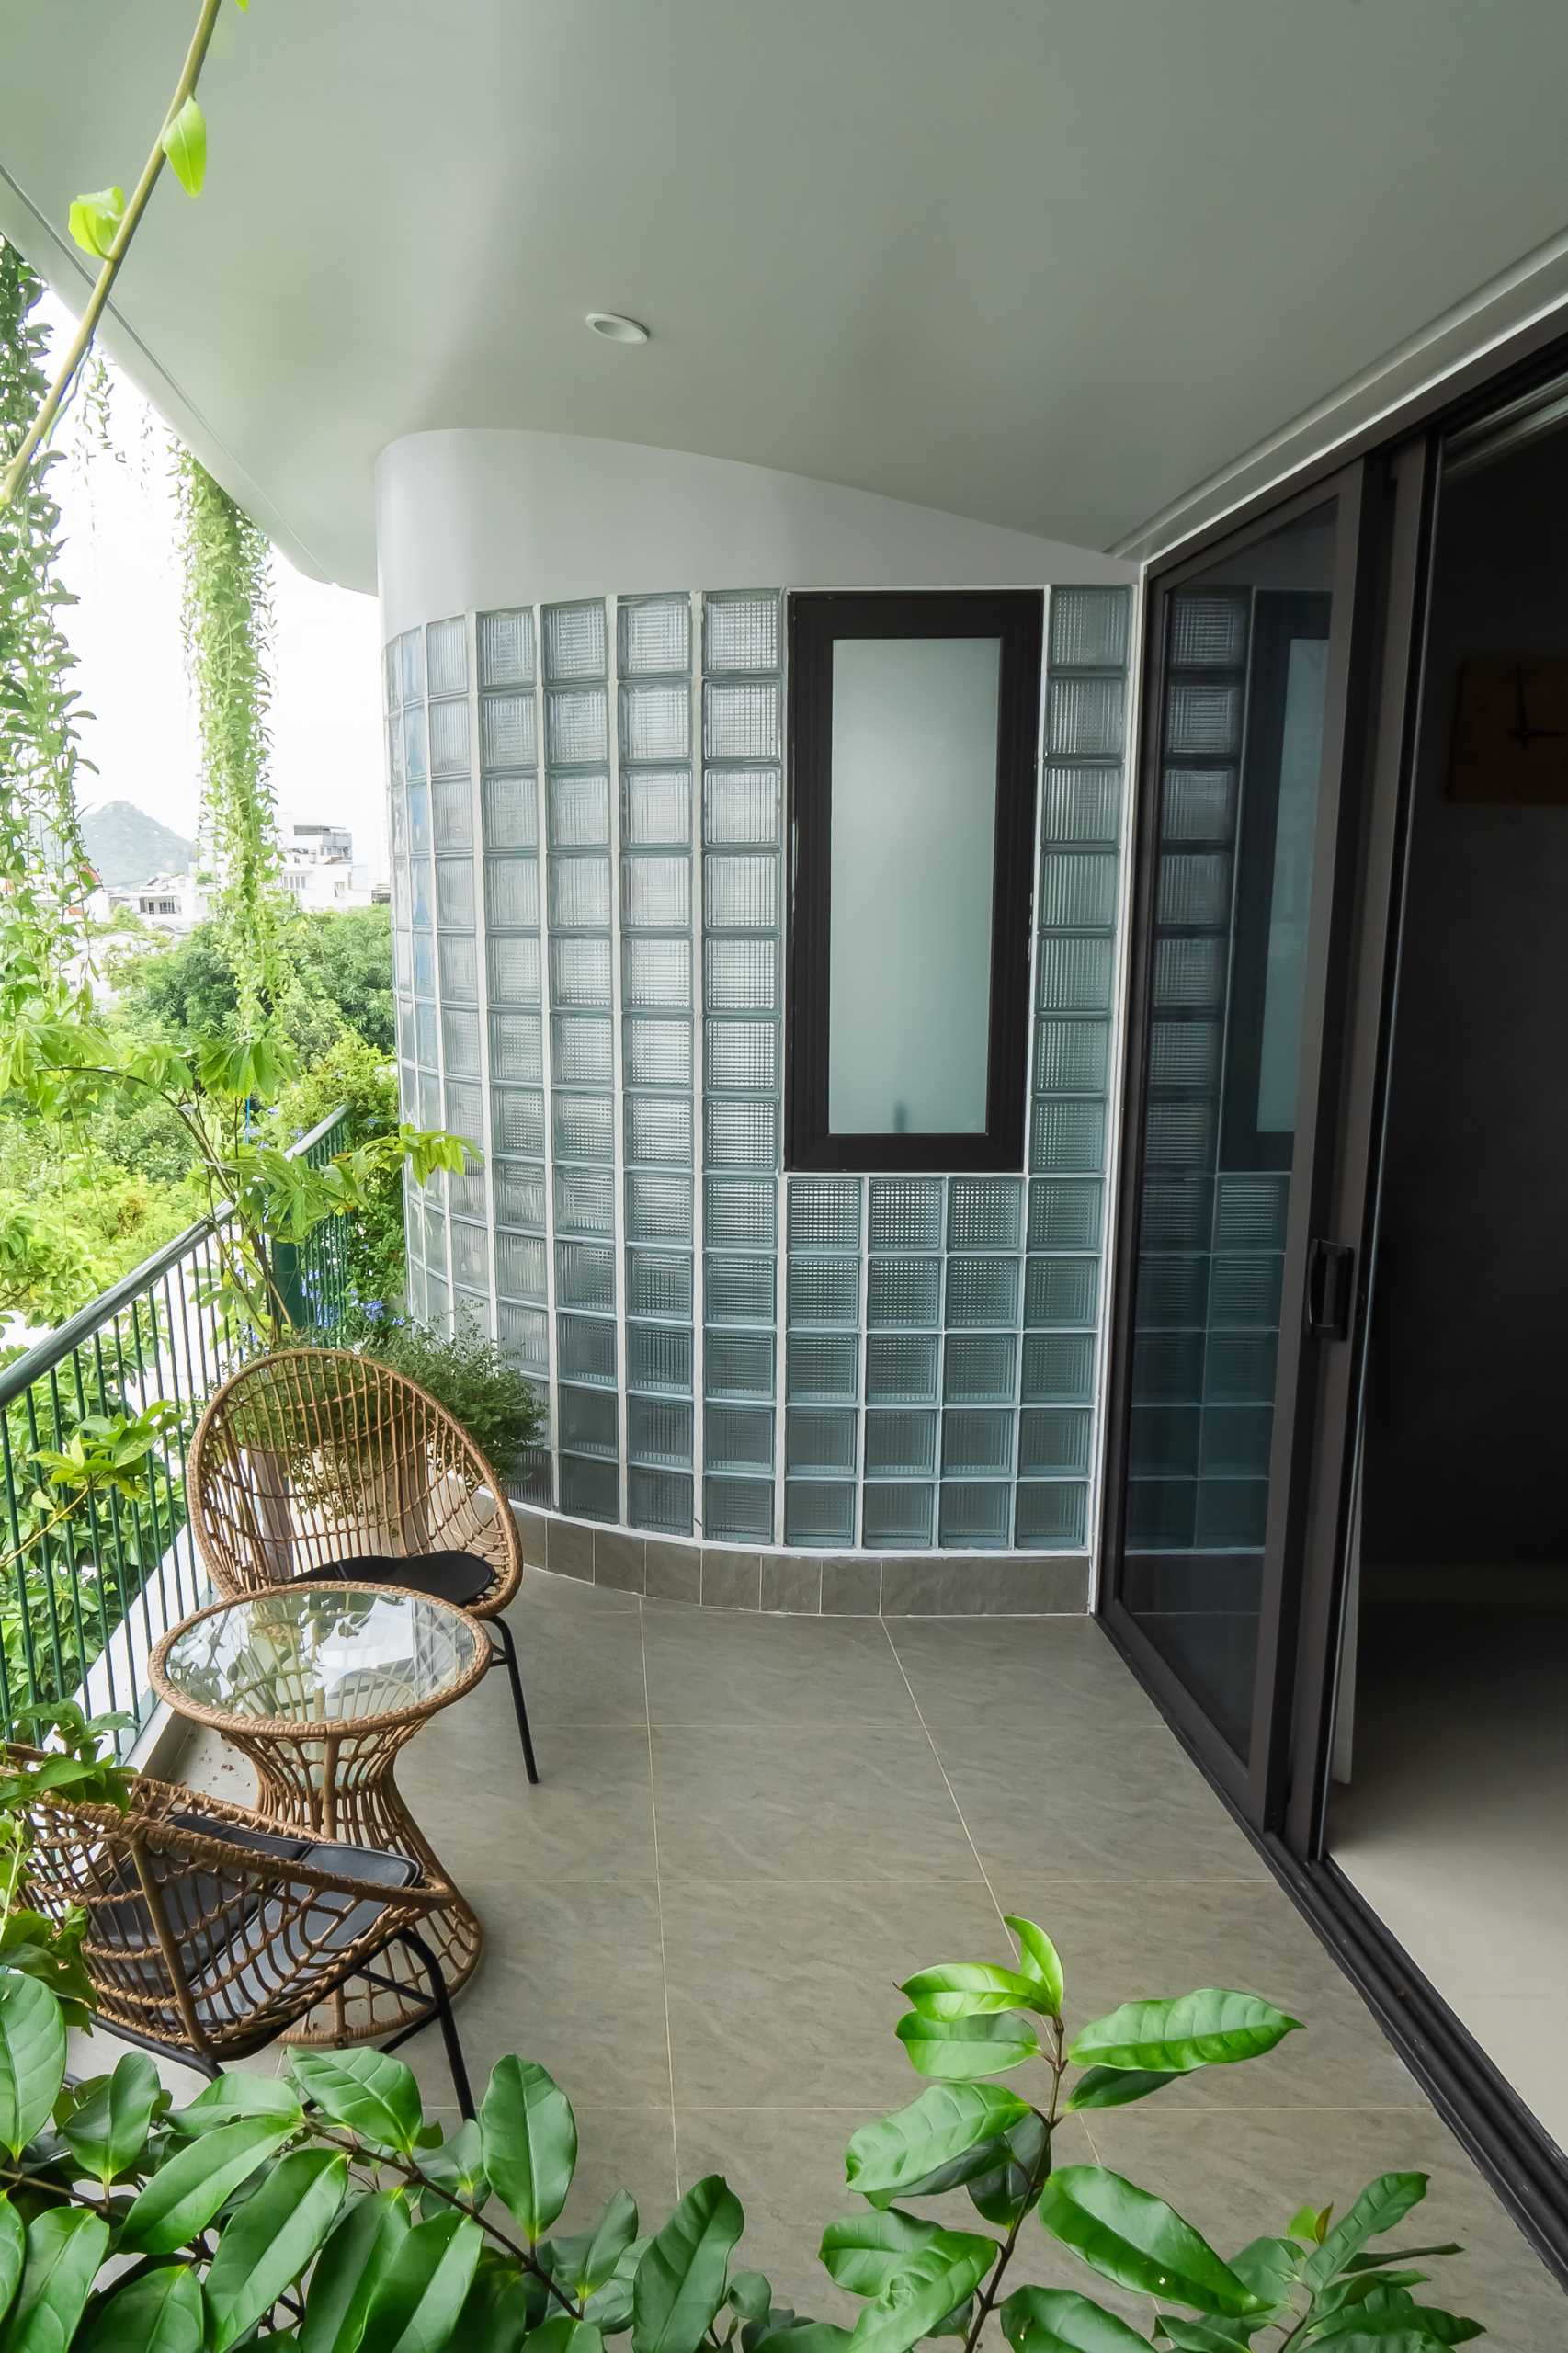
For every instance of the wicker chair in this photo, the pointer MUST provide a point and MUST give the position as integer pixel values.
(315, 1462)
(211, 1929)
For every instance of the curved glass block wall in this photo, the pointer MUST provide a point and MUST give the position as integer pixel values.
(589, 897)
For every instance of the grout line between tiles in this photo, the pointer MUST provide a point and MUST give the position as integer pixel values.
(659, 1898)
(941, 1769)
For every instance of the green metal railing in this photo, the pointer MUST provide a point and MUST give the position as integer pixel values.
(83, 1601)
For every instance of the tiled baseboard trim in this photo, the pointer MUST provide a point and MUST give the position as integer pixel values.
(828, 1584)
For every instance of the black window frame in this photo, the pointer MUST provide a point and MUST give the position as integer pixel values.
(1015, 617)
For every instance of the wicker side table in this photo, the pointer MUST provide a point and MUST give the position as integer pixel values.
(320, 1686)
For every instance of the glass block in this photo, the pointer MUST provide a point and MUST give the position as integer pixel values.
(454, 892)
(740, 1054)
(453, 798)
(658, 1129)
(429, 1100)
(1083, 717)
(411, 651)
(519, 1195)
(1250, 1212)
(426, 1034)
(1236, 1440)
(423, 897)
(1067, 1134)
(415, 745)
(1072, 1055)
(1233, 1514)
(904, 1291)
(1195, 888)
(656, 723)
(448, 739)
(1245, 1292)
(655, 973)
(1054, 1440)
(741, 1135)
(508, 736)
(824, 1291)
(897, 1515)
(985, 1213)
(579, 893)
(900, 1369)
(465, 1191)
(580, 971)
(1088, 628)
(1167, 1366)
(737, 1510)
(577, 726)
(658, 1429)
(905, 1214)
(1061, 1290)
(1189, 975)
(655, 808)
(656, 1053)
(1186, 1053)
(415, 1291)
(421, 823)
(437, 1301)
(585, 1203)
(823, 1367)
(395, 763)
(1077, 890)
(523, 1334)
(516, 1048)
(656, 892)
(741, 975)
(739, 722)
(590, 1489)
(471, 1255)
(582, 1050)
(740, 892)
(738, 1364)
(511, 893)
(459, 967)
(980, 1368)
(819, 1442)
(660, 1501)
(1081, 804)
(390, 681)
(1165, 1438)
(1051, 1512)
(974, 1516)
(408, 1088)
(579, 812)
(402, 960)
(1203, 717)
(519, 1266)
(982, 1290)
(740, 1212)
(575, 645)
(585, 1348)
(658, 1209)
(658, 1356)
(977, 1441)
(406, 1045)
(654, 634)
(740, 632)
(518, 1121)
(1208, 630)
(819, 1511)
(1073, 975)
(738, 1290)
(465, 1111)
(505, 649)
(1180, 1134)
(515, 970)
(741, 808)
(510, 810)
(738, 1438)
(460, 1040)
(584, 1127)
(825, 1213)
(899, 1443)
(1172, 1290)
(658, 1282)
(1199, 805)
(585, 1276)
(434, 1236)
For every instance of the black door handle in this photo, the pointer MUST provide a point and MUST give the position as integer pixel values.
(1331, 1289)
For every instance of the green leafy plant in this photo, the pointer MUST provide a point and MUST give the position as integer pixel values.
(500, 1408)
(326, 2212)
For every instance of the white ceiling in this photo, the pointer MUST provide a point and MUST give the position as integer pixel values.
(1047, 263)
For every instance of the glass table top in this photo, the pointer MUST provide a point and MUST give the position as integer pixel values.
(312, 1653)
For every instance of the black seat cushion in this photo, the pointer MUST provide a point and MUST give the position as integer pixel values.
(204, 1908)
(461, 1578)
(268, 1954)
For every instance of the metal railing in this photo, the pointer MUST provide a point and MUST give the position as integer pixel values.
(85, 1598)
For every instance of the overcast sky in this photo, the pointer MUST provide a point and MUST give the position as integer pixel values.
(120, 560)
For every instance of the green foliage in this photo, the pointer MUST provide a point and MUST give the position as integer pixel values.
(78, 1225)
(340, 981)
(498, 1406)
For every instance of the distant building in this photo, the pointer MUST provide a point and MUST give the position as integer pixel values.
(319, 871)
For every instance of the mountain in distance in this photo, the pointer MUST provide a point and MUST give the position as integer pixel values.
(127, 846)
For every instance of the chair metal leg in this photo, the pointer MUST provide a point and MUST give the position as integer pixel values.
(455, 2064)
(500, 1634)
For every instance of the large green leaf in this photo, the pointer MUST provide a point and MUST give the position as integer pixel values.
(1208, 2028)
(963, 1989)
(267, 2243)
(561, 2334)
(931, 2132)
(1140, 2243)
(1381, 2204)
(184, 140)
(188, 2188)
(32, 2058)
(1389, 2315)
(923, 2291)
(95, 218)
(375, 2097)
(228, 2096)
(805, 2336)
(158, 2311)
(65, 2245)
(680, 2281)
(1038, 1960)
(1116, 2087)
(1374, 2258)
(1199, 2336)
(529, 2138)
(502, 2309)
(110, 2127)
(612, 2303)
(606, 2243)
(964, 2050)
(13, 2248)
(353, 2264)
(420, 2293)
(863, 2250)
(457, 2163)
(1057, 2320)
(1007, 2190)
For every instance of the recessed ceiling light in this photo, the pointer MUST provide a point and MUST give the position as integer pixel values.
(614, 328)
